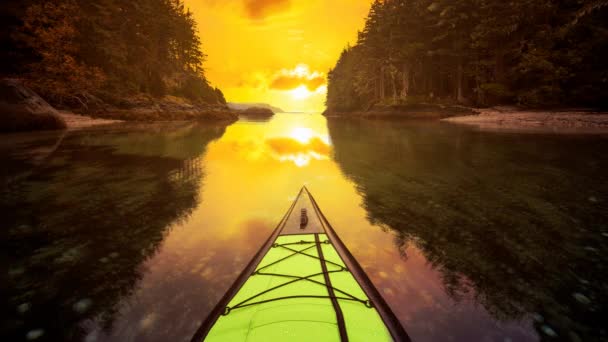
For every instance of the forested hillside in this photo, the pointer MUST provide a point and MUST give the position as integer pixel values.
(69, 50)
(476, 52)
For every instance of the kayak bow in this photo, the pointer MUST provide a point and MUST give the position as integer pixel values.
(302, 285)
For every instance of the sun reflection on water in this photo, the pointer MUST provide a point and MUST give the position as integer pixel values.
(301, 147)
(289, 139)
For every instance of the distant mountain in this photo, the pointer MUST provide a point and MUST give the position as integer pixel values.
(243, 106)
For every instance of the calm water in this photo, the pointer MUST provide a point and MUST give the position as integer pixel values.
(134, 233)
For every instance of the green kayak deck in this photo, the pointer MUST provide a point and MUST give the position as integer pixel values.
(303, 285)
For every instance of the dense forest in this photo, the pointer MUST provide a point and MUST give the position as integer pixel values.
(476, 52)
(72, 50)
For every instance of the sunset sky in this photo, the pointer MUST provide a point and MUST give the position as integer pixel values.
(276, 51)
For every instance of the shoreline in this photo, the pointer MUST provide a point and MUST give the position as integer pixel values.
(412, 111)
(145, 108)
(23, 110)
(78, 121)
(568, 121)
(510, 119)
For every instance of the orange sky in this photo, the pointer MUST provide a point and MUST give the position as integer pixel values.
(276, 51)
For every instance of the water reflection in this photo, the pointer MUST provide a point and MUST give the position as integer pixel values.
(297, 151)
(135, 234)
(517, 225)
(80, 225)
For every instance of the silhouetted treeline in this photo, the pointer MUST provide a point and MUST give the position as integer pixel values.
(481, 52)
(71, 49)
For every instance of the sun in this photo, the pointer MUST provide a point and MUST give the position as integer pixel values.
(300, 93)
(302, 135)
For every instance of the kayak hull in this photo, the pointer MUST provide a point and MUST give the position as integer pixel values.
(302, 285)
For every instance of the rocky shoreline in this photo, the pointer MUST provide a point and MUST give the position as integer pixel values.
(78, 121)
(21, 109)
(417, 111)
(513, 119)
(495, 118)
(168, 108)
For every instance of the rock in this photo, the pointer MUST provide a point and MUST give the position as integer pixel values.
(82, 305)
(243, 106)
(34, 334)
(91, 337)
(21, 109)
(23, 308)
(547, 330)
(258, 112)
(581, 298)
(538, 317)
(142, 107)
(574, 337)
(91, 104)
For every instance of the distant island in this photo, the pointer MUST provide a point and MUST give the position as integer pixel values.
(436, 59)
(244, 106)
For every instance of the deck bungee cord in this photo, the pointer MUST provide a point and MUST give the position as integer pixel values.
(328, 285)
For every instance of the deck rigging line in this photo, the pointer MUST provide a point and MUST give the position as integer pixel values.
(325, 272)
(330, 291)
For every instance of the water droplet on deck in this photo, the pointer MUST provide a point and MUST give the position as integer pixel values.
(592, 199)
(114, 255)
(104, 260)
(34, 334)
(82, 305)
(538, 317)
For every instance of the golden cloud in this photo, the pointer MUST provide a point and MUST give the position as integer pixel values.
(260, 9)
(288, 79)
(292, 82)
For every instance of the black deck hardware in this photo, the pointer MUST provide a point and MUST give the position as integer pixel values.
(303, 218)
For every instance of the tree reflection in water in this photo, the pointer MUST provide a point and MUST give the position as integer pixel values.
(79, 226)
(512, 222)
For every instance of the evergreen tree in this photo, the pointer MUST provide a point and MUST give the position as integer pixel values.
(483, 52)
(220, 96)
(109, 48)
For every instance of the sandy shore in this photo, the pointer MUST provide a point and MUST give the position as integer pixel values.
(536, 121)
(75, 121)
